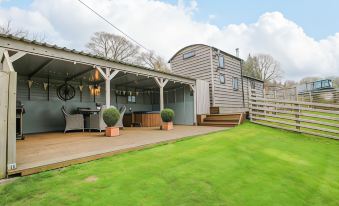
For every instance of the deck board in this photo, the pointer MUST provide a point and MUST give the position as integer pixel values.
(40, 152)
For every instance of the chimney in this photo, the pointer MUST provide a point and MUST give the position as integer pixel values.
(237, 52)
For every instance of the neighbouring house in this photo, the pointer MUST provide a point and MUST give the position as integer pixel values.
(228, 87)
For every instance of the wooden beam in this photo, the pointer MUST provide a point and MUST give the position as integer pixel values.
(17, 56)
(101, 72)
(126, 83)
(11, 121)
(114, 73)
(2, 50)
(4, 80)
(79, 74)
(7, 64)
(48, 63)
(161, 83)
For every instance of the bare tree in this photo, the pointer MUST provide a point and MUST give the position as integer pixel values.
(113, 47)
(7, 29)
(264, 67)
(153, 61)
(268, 68)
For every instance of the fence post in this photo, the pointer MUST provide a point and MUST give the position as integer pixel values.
(296, 94)
(297, 116)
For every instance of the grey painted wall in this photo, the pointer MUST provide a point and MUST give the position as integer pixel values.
(181, 101)
(46, 116)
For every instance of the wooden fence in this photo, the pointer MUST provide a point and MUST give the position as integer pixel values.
(328, 96)
(305, 117)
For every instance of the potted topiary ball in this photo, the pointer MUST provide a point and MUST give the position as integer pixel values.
(111, 117)
(167, 116)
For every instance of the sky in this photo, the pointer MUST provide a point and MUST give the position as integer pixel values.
(302, 35)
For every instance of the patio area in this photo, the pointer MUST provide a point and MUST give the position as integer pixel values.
(45, 151)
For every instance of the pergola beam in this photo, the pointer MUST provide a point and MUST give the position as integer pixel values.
(126, 83)
(161, 82)
(48, 63)
(79, 74)
(17, 56)
(108, 76)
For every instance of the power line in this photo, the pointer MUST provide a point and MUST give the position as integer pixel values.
(103, 18)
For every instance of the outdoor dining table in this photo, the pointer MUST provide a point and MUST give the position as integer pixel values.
(86, 112)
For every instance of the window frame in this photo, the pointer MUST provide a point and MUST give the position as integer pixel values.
(130, 99)
(223, 62)
(235, 83)
(190, 53)
(224, 79)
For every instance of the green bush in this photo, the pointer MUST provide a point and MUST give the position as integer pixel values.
(111, 116)
(167, 115)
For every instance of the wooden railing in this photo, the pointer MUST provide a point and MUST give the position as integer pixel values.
(304, 117)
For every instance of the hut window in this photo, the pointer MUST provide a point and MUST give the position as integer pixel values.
(131, 99)
(221, 63)
(222, 78)
(188, 54)
(235, 83)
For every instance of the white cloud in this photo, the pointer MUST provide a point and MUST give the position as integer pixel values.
(166, 28)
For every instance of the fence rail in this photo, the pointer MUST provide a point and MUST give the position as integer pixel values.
(304, 117)
(329, 96)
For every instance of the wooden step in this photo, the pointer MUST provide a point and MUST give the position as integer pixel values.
(219, 124)
(224, 115)
(222, 120)
(218, 119)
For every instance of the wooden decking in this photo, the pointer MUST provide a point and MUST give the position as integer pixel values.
(47, 151)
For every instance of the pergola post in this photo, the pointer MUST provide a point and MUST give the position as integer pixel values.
(161, 83)
(193, 88)
(8, 110)
(108, 76)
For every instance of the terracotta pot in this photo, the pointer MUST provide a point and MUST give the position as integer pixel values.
(167, 125)
(112, 131)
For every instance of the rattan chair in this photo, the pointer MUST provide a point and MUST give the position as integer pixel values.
(73, 121)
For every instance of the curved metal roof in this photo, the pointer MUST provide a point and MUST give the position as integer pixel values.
(206, 46)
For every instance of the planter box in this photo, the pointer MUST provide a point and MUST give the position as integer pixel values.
(112, 131)
(167, 126)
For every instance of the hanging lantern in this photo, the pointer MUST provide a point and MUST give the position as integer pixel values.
(123, 92)
(95, 90)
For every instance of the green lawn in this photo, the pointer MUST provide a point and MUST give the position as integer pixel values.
(247, 165)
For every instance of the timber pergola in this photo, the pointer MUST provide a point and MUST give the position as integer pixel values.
(13, 49)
